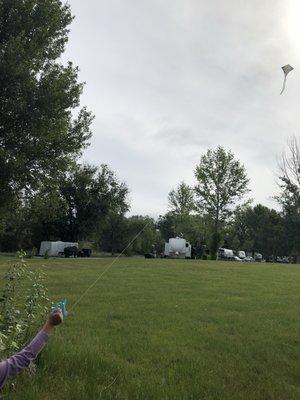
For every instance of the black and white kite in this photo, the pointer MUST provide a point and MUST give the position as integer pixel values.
(286, 70)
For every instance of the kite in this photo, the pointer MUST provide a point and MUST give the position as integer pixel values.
(286, 69)
(61, 305)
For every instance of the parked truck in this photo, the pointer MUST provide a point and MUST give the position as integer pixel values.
(178, 248)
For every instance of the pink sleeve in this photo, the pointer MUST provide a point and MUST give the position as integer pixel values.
(15, 364)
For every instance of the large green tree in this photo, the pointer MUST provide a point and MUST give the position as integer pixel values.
(77, 207)
(257, 229)
(91, 195)
(45, 215)
(114, 234)
(39, 136)
(191, 227)
(144, 235)
(133, 235)
(41, 216)
(181, 200)
(221, 183)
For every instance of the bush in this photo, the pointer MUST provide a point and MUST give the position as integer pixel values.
(30, 253)
(22, 304)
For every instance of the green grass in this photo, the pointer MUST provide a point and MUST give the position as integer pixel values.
(168, 329)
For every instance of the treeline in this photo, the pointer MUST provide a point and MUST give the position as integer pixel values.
(47, 194)
(89, 204)
(214, 213)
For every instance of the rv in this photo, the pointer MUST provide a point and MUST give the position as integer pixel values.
(178, 248)
(54, 249)
(241, 254)
(225, 254)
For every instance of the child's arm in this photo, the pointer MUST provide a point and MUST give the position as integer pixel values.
(15, 364)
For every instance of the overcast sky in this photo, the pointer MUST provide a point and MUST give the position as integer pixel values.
(168, 79)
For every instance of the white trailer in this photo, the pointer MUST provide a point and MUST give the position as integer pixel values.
(225, 254)
(178, 248)
(54, 249)
(258, 257)
(241, 254)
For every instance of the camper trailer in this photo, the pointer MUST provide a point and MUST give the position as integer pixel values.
(178, 248)
(225, 254)
(54, 249)
(241, 254)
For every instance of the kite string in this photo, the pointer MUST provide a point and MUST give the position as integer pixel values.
(109, 266)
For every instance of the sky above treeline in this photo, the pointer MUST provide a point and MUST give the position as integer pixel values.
(169, 79)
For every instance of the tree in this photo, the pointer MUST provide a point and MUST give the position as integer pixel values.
(134, 235)
(258, 229)
(289, 176)
(38, 135)
(13, 227)
(179, 221)
(191, 227)
(91, 195)
(78, 207)
(147, 237)
(289, 198)
(45, 216)
(181, 200)
(221, 182)
(167, 225)
(114, 234)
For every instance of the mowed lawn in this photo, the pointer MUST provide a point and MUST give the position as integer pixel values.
(170, 329)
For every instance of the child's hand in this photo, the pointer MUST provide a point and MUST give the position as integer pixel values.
(56, 317)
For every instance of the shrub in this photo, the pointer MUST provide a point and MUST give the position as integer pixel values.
(22, 304)
(30, 253)
(46, 255)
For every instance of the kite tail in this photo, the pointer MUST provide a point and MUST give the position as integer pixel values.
(283, 87)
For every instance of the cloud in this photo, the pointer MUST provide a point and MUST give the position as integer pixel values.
(169, 79)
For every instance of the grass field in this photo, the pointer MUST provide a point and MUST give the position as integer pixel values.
(168, 329)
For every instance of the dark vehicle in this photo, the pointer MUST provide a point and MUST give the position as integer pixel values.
(258, 257)
(71, 251)
(270, 259)
(150, 255)
(85, 253)
(279, 259)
